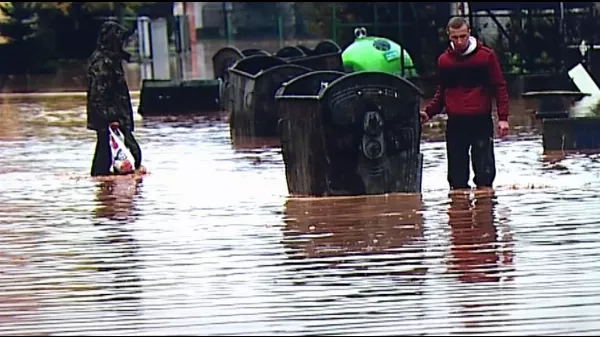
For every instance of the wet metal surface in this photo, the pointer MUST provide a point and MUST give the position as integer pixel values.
(210, 243)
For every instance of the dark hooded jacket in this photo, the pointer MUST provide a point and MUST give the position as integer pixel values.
(108, 97)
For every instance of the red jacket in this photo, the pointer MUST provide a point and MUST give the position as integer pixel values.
(467, 84)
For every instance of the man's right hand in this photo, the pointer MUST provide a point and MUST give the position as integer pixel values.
(424, 117)
(114, 125)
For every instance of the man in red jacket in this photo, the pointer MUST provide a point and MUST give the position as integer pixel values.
(469, 76)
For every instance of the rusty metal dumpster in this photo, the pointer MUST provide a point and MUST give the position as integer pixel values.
(302, 147)
(177, 97)
(370, 137)
(253, 84)
(327, 55)
(254, 51)
(290, 53)
(223, 59)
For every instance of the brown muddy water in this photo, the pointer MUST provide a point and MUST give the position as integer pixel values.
(210, 242)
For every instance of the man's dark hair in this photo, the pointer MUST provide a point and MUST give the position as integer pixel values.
(457, 22)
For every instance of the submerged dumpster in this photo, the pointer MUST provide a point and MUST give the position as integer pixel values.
(369, 130)
(254, 51)
(570, 119)
(253, 83)
(223, 59)
(290, 52)
(179, 97)
(571, 134)
(327, 55)
(560, 130)
(301, 135)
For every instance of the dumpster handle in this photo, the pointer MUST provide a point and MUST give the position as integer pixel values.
(248, 99)
(228, 94)
(280, 131)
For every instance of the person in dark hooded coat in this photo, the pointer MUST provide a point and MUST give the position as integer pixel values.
(108, 100)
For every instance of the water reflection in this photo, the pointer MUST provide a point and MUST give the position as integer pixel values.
(116, 199)
(9, 115)
(191, 121)
(554, 157)
(253, 144)
(256, 150)
(356, 236)
(479, 252)
(19, 303)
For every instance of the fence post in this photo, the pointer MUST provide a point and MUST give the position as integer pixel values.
(227, 9)
(375, 19)
(144, 47)
(333, 22)
(400, 41)
(280, 30)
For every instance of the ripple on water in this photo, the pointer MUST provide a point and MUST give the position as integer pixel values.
(210, 243)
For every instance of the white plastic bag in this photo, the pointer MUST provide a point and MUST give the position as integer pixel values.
(123, 161)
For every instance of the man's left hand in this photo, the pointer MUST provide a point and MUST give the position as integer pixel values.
(503, 128)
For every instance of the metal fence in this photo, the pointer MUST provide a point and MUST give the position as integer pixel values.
(528, 39)
(240, 21)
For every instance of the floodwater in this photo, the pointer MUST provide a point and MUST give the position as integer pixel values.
(210, 242)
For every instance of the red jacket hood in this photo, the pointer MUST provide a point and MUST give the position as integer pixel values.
(450, 50)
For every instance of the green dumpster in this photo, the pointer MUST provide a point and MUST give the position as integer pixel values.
(372, 53)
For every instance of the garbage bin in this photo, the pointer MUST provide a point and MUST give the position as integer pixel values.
(300, 132)
(372, 53)
(371, 132)
(305, 49)
(223, 59)
(571, 134)
(254, 51)
(290, 52)
(253, 84)
(177, 97)
(327, 55)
